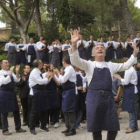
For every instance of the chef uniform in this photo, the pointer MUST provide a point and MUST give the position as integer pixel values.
(101, 110)
(8, 100)
(82, 49)
(110, 50)
(130, 92)
(68, 81)
(21, 54)
(119, 50)
(43, 55)
(36, 98)
(31, 53)
(12, 51)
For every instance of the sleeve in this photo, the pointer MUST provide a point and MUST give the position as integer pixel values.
(39, 46)
(39, 80)
(123, 66)
(4, 80)
(66, 76)
(6, 47)
(24, 48)
(35, 47)
(125, 45)
(77, 61)
(15, 78)
(127, 78)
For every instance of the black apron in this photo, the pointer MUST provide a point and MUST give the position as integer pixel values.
(89, 52)
(110, 52)
(55, 57)
(8, 100)
(101, 109)
(51, 95)
(119, 51)
(12, 55)
(128, 98)
(21, 57)
(65, 53)
(31, 52)
(44, 56)
(82, 52)
(129, 50)
(69, 97)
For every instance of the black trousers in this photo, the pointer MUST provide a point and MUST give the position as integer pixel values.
(111, 135)
(70, 120)
(24, 103)
(33, 115)
(4, 121)
(0, 122)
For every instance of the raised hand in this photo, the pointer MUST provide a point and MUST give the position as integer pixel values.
(75, 36)
(12, 69)
(17, 68)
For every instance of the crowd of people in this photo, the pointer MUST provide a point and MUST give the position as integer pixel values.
(73, 82)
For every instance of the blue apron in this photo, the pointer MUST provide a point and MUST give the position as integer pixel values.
(82, 52)
(21, 58)
(69, 97)
(32, 52)
(44, 56)
(110, 53)
(119, 52)
(65, 53)
(129, 50)
(8, 100)
(55, 60)
(101, 109)
(89, 52)
(128, 98)
(12, 55)
(80, 100)
(51, 95)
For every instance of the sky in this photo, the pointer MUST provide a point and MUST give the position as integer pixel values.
(137, 4)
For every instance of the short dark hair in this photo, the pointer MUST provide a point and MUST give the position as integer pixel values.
(36, 63)
(66, 59)
(26, 66)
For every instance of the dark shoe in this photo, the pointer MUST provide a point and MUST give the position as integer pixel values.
(71, 133)
(33, 132)
(21, 130)
(7, 133)
(24, 124)
(45, 129)
(65, 131)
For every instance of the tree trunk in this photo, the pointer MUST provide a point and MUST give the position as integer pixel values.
(23, 34)
(127, 17)
(38, 18)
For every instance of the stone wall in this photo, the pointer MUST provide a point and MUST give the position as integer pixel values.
(4, 34)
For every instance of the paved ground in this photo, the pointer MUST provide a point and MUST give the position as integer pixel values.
(55, 134)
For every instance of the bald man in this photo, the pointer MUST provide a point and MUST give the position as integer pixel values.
(101, 109)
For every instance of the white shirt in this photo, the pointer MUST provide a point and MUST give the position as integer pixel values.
(50, 49)
(24, 47)
(118, 43)
(68, 75)
(35, 79)
(6, 80)
(9, 44)
(79, 42)
(88, 42)
(40, 45)
(136, 39)
(88, 66)
(130, 76)
(65, 46)
(33, 45)
(108, 42)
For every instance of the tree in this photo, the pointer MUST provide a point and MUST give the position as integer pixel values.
(127, 17)
(20, 12)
